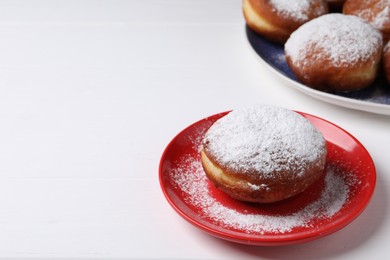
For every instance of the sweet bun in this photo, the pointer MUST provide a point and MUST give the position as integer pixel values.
(277, 19)
(263, 154)
(335, 52)
(386, 61)
(375, 12)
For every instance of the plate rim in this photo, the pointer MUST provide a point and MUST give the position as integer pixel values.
(351, 103)
(277, 239)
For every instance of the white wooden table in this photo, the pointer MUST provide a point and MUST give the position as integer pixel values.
(91, 92)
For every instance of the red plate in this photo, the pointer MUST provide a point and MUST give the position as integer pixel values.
(327, 206)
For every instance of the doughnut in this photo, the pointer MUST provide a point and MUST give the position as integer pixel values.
(375, 12)
(277, 19)
(386, 61)
(263, 154)
(335, 52)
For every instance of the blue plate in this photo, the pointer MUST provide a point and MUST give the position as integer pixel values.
(375, 98)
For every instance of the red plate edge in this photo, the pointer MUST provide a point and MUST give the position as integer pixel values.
(283, 239)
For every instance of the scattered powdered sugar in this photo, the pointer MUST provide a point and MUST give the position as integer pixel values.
(298, 10)
(382, 18)
(342, 40)
(265, 139)
(378, 15)
(191, 180)
(258, 187)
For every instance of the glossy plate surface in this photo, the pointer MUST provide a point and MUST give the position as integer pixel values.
(374, 99)
(193, 197)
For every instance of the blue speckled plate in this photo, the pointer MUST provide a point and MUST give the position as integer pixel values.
(374, 99)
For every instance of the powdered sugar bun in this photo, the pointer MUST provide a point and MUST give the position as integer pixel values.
(375, 12)
(335, 52)
(263, 154)
(277, 19)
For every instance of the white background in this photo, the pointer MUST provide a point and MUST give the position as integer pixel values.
(91, 92)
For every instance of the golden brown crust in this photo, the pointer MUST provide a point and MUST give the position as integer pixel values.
(262, 17)
(322, 75)
(262, 25)
(255, 188)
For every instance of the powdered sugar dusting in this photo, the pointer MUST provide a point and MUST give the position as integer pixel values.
(382, 19)
(265, 139)
(342, 40)
(297, 10)
(387, 47)
(191, 180)
(378, 15)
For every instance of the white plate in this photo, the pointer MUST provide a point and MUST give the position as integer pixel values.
(374, 99)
